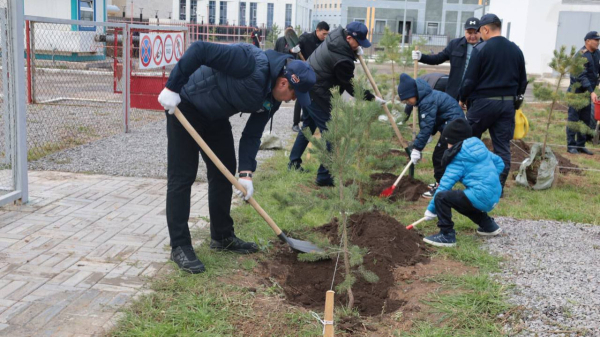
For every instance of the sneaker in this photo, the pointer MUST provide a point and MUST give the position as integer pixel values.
(585, 151)
(186, 260)
(432, 186)
(296, 128)
(325, 183)
(429, 194)
(297, 168)
(441, 240)
(490, 228)
(573, 151)
(234, 244)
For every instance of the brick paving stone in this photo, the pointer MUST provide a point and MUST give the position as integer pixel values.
(83, 247)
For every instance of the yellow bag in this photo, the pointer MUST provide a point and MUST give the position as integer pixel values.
(521, 125)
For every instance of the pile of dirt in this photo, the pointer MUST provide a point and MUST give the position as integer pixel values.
(408, 189)
(389, 245)
(519, 151)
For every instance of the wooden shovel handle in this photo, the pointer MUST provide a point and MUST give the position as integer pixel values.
(223, 169)
(301, 56)
(414, 115)
(402, 174)
(385, 108)
(412, 225)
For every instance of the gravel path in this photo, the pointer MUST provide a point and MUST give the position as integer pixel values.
(556, 270)
(143, 151)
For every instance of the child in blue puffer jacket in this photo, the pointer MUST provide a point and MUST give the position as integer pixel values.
(468, 161)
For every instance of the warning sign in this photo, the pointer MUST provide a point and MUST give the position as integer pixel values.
(160, 49)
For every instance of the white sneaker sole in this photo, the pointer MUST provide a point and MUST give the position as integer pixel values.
(494, 233)
(438, 244)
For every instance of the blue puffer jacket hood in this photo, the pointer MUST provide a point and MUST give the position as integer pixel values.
(436, 109)
(479, 170)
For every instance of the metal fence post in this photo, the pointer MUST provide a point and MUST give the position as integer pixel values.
(33, 67)
(127, 74)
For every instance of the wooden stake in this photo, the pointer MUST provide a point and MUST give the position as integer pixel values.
(415, 109)
(328, 319)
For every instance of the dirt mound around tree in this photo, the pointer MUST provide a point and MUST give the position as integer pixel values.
(519, 151)
(408, 189)
(389, 245)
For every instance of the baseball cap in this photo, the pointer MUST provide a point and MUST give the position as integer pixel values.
(487, 19)
(472, 23)
(359, 32)
(593, 35)
(301, 76)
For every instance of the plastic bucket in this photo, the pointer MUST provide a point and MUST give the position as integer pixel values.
(597, 110)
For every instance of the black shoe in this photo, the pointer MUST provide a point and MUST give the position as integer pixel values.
(234, 244)
(325, 183)
(573, 151)
(186, 260)
(586, 151)
(296, 128)
(489, 228)
(296, 167)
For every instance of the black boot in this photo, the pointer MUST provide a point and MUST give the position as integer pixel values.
(186, 260)
(234, 244)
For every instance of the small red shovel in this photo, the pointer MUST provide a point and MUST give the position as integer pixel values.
(388, 191)
(411, 226)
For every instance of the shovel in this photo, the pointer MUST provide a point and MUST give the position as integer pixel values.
(385, 108)
(388, 191)
(292, 40)
(301, 246)
(411, 226)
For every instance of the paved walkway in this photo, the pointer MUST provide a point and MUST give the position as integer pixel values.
(82, 247)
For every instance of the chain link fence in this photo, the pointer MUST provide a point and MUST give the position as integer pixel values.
(6, 172)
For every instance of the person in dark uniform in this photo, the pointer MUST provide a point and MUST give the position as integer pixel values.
(458, 52)
(307, 44)
(494, 85)
(211, 83)
(333, 62)
(589, 81)
(255, 36)
(281, 45)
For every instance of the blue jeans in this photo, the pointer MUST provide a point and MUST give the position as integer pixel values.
(312, 117)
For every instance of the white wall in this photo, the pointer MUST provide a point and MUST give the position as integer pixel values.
(150, 7)
(59, 9)
(534, 27)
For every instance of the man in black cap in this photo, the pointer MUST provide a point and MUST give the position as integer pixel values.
(588, 80)
(458, 52)
(333, 62)
(211, 83)
(494, 85)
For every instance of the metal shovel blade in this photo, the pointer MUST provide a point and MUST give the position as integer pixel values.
(299, 245)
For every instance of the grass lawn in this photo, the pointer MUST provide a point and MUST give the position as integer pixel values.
(233, 298)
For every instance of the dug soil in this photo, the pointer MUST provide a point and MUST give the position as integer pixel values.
(389, 245)
(408, 189)
(519, 151)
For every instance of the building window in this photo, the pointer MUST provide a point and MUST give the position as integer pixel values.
(288, 15)
(270, 12)
(432, 28)
(193, 13)
(223, 13)
(242, 14)
(181, 9)
(212, 7)
(87, 12)
(379, 26)
(253, 14)
(360, 20)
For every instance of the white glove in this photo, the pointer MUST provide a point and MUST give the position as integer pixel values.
(360, 51)
(415, 156)
(247, 184)
(416, 55)
(169, 100)
(430, 139)
(296, 49)
(380, 100)
(430, 216)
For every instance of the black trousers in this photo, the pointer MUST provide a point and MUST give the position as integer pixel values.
(576, 139)
(182, 159)
(445, 201)
(499, 117)
(438, 154)
(297, 113)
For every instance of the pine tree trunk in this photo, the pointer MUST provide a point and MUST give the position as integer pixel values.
(550, 116)
(345, 247)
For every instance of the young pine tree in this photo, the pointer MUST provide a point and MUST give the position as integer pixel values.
(347, 128)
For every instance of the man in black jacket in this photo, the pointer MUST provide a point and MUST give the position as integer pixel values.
(494, 82)
(281, 45)
(458, 52)
(211, 83)
(333, 62)
(307, 44)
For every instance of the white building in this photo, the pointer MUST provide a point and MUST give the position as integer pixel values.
(246, 13)
(541, 26)
(88, 10)
(148, 8)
